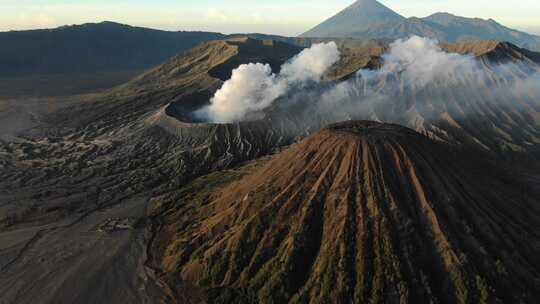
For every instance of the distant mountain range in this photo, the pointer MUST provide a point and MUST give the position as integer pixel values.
(92, 47)
(100, 47)
(369, 19)
(113, 47)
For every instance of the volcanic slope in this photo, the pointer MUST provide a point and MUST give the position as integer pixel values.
(74, 190)
(103, 137)
(488, 121)
(189, 79)
(360, 212)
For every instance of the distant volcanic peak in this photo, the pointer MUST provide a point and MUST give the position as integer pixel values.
(372, 20)
(365, 7)
(361, 15)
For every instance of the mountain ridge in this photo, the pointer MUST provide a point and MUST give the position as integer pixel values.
(81, 48)
(442, 26)
(91, 47)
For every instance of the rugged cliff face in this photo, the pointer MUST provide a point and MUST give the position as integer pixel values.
(359, 212)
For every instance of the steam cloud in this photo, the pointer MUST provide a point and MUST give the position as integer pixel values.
(421, 61)
(253, 87)
(311, 64)
(417, 82)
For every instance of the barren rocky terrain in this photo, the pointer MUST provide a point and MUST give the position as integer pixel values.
(360, 212)
(121, 197)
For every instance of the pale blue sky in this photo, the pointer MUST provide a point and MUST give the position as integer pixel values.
(275, 16)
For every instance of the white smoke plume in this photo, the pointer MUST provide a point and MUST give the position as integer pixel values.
(419, 80)
(311, 64)
(418, 85)
(253, 87)
(421, 61)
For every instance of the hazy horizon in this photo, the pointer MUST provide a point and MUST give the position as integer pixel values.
(276, 17)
